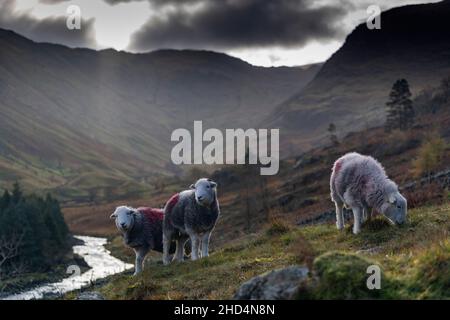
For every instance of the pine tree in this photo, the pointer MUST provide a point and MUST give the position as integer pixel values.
(399, 108)
(39, 224)
(16, 193)
(5, 200)
(333, 137)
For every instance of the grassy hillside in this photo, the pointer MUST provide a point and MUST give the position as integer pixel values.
(414, 259)
(293, 224)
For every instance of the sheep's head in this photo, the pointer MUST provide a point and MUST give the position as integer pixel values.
(124, 218)
(395, 208)
(205, 191)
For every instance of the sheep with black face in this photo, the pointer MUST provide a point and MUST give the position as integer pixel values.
(141, 230)
(191, 214)
(360, 183)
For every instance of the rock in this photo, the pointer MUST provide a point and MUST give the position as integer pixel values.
(279, 284)
(93, 295)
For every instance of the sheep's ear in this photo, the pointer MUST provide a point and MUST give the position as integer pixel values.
(213, 184)
(392, 199)
(113, 216)
(191, 186)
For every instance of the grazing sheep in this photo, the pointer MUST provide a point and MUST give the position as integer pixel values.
(141, 230)
(191, 214)
(360, 183)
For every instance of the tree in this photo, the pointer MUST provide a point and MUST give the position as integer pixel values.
(399, 108)
(9, 248)
(33, 233)
(92, 195)
(445, 88)
(5, 200)
(332, 132)
(430, 156)
(160, 183)
(16, 193)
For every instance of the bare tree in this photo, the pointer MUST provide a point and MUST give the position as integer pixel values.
(9, 248)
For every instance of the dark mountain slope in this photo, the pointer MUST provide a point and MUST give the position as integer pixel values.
(353, 85)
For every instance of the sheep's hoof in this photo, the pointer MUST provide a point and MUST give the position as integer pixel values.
(339, 227)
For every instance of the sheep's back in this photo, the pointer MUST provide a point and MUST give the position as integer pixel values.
(175, 208)
(152, 226)
(354, 172)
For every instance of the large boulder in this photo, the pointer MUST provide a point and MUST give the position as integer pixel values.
(281, 284)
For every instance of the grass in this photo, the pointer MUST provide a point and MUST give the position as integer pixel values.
(414, 260)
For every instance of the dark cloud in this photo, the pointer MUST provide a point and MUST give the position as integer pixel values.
(231, 24)
(52, 1)
(52, 29)
(153, 2)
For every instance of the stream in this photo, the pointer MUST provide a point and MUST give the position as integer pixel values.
(99, 260)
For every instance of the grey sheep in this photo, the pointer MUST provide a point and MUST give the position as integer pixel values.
(190, 214)
(141, 230)
(359, 182)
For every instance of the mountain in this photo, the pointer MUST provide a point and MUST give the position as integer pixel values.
(79, 118)
(353, 85)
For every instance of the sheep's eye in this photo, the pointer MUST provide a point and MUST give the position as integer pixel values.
(208, 187)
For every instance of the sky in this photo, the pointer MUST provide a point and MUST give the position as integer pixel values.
(261, 32)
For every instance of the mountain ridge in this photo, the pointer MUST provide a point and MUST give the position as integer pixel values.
(68, 112)
(353, 85)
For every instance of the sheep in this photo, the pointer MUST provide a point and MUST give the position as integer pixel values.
(141, 230)
(191, 214)
(360, 183)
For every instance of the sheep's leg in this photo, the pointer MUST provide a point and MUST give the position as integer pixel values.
(339, 215)
(138, 266)
(195, 241)
(205, 245)
(167, 239)
(356, 219)
(367, 213)
(364, 214)
(179, 252)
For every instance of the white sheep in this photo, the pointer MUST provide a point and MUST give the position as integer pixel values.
(360, 183)
(141, 229)
(191, 214)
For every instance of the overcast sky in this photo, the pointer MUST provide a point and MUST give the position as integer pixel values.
(262, 32)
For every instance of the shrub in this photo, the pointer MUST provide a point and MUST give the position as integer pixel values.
(429, 156)
(278, 226)
(341, 275)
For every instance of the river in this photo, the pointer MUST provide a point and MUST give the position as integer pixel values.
(99, 260)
